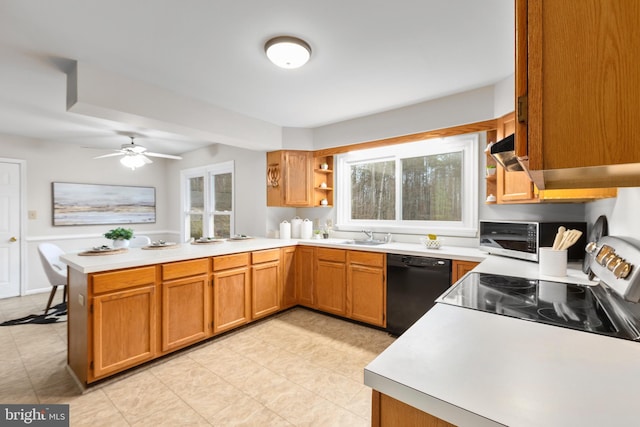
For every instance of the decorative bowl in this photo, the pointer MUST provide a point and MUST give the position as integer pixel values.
(430, 244)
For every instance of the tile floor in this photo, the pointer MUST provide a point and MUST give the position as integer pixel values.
(298, 368)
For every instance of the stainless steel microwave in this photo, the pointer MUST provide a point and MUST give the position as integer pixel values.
(522, 239)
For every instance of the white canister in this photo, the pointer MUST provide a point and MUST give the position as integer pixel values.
(296, 224)
(307, 229)
(285, 230)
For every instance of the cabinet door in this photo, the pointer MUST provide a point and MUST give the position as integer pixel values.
(305, 276)
(367, 293)
(330, 283)
(512, 186)
(124, 329)
(287, 263)
(265, 289)
(185, 312)
(231, 299)
(297, 178)
(460, 268)
(574, 65)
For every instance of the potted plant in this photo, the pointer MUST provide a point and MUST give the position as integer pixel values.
(491, 170)
(120, 236)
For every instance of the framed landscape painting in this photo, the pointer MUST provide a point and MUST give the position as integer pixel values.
(91, 204)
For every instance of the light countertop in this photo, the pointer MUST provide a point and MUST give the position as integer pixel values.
(473, 368)
(135, 257)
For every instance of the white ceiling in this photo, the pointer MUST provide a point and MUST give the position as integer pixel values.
(368, 56)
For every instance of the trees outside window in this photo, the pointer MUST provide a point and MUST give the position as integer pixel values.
(208, 201)
(425, 186)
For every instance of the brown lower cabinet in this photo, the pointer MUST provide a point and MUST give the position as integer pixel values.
(389, 412)
(305, 276)
(186, 308)
(122, 318)
(367, 287)
(331, 280)
(266, 283)
(231, 292)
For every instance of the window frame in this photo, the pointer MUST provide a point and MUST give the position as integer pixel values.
(467, 227)
(207, 173)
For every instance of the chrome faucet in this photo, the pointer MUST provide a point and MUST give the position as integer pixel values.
(369, 234)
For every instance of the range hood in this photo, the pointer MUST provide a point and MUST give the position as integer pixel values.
(503, 152)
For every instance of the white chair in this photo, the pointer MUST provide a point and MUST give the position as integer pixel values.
(55, 269)
(138, 241)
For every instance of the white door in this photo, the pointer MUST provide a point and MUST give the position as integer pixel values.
(9, 230)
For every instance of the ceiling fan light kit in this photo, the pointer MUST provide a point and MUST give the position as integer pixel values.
(288, 52)
(135, 156)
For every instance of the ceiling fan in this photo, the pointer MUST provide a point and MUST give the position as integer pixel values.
(135, 155)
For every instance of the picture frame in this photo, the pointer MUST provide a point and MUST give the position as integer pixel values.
(98, 204)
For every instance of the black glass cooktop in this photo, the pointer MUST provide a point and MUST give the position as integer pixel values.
(554, 303)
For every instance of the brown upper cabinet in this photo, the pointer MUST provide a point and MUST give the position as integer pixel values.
(577, 85)
(517, 187)
(298, 179)
(289, 178)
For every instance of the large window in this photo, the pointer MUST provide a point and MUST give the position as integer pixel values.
(208, 201)
(421, 187)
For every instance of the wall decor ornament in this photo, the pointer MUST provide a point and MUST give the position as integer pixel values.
(93, 204)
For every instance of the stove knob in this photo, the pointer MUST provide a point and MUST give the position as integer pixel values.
(622, 270)
(608, 259)
(591, 248)
(604, 252)
(614, 262)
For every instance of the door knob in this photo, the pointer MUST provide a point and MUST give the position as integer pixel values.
(13, 239)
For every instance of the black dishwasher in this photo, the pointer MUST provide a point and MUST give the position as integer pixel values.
(413, 284)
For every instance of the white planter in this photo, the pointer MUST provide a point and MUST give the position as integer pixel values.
(120, 243)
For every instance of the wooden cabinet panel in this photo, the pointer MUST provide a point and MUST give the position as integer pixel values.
(265, 289)
(367, 293)
(366, 287)
(579, 92)
(389, 412)
(226, 262)
(122, 279)
(124, 330)
(330, 285)
(460, 268)
(177, 270)
(305, 275)
(185, 312)
(326, 254)
(289, 178)
(288, 266)
(231, 298)
(258, 257)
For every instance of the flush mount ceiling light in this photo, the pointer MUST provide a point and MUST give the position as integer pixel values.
(287, 51)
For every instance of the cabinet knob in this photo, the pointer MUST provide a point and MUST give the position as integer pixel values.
(13, 239)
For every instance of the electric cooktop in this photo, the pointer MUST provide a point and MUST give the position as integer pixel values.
(581, 307)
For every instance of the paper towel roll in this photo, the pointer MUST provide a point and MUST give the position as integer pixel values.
(307, 229)
(285, 230)
(296, 224)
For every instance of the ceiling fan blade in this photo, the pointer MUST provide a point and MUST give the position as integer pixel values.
(166, 156)
(109, 155)
(145, 158)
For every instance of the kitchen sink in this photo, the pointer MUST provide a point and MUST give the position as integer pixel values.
(369, 242)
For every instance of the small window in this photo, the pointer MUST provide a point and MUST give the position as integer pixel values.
(208, 201)
(422, 187)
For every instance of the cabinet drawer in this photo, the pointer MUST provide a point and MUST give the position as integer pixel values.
(367, 258)
(230, 261)
(176, 270)
(265, 256)
(338, 255)
(113, 281)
